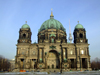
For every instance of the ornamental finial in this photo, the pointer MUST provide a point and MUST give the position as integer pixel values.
(26, 22)
(51, 12)
(78, 22)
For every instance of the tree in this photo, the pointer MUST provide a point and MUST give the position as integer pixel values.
(4, 64)
(95, 64)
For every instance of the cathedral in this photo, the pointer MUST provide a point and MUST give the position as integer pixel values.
(53, 52)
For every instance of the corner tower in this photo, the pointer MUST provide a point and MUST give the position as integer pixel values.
(23, 44)
(25, 34)
(80, 34)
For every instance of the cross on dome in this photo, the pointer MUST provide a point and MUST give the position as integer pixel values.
(78, 22)
(26, 22)
(51, 13)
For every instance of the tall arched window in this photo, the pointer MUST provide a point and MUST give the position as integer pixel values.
(81, 35)
(71, 52)
(82, 51)
(24, 35)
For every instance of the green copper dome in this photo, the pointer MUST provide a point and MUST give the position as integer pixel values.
(52, 24)
(25, 26)
(78, 26)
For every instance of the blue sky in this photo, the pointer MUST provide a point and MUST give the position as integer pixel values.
(14, 13)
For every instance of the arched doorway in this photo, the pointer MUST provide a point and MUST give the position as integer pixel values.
(21, 63)
(53, 60)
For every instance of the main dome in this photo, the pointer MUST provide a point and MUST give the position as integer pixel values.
(52, 24)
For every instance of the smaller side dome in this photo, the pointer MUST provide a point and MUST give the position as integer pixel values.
(78, 26)
(25, 26)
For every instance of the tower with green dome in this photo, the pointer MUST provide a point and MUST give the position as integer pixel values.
(52, 52)
(25, 26)
(80, 34)
(25, 34)
(79, 26)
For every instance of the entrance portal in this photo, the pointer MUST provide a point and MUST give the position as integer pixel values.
(53, 60)
(72, 63)
(84, 63)
(52, 66)
(22, 63)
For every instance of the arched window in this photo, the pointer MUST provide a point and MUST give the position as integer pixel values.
(71, 52)
(24, 35)
(81, 35)
(82, 52)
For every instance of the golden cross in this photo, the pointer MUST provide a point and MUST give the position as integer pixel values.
(51, 9)
(26, 21)
(78, 21)
(51, 12)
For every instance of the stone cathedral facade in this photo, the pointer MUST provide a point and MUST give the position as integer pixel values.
(52, 52)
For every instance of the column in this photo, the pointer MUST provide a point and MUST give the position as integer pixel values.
(78, 63)
(60, 61)
(48, 37)
(40, 54)
(46, 62)
(81, 63)
(58, 36)
(64, 54)
(30, 63)
(86, 52)
(74, 64)
(87, 63)
(33, 65)
(77, 34)
(43, 55)
(17, 51)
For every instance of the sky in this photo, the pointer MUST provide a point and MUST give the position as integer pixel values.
(14, 13)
